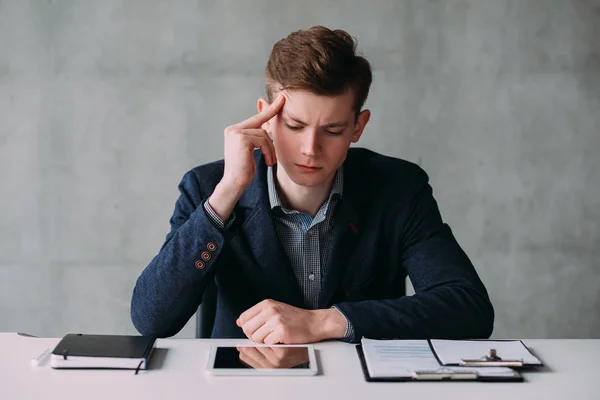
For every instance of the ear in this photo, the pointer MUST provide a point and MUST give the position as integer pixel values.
(360, 124)
(260, 106)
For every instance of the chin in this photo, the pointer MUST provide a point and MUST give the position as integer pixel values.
(309, 181)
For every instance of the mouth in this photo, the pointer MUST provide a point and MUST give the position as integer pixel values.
(308, 168)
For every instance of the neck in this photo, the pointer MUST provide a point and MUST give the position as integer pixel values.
(301, 198)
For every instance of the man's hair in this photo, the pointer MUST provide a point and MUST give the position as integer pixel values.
(319, 60)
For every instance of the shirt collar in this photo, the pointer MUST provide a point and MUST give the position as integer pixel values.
(337, 188)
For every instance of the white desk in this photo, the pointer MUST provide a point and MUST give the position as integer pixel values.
(572, 372)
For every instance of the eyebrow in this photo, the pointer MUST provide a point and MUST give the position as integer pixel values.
(329, 125)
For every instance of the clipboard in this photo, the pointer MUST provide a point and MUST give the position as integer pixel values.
(441, 375)
(490, 358)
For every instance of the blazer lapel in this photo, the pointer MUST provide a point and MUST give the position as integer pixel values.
(345, 233)
(259, 230)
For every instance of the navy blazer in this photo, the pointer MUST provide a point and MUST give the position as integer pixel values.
(386, 225)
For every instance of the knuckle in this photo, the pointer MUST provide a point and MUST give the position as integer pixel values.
(232, 131)
(270, 304)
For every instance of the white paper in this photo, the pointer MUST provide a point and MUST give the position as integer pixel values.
(453, 351)
(389, 358)
(400, 358)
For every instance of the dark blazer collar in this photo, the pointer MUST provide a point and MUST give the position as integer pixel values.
(258, 228)
(347, 225)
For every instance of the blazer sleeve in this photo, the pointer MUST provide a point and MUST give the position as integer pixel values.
(170, 288)
(450, 301)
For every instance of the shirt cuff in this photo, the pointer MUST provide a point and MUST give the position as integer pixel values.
(349, 335)
(216, 220)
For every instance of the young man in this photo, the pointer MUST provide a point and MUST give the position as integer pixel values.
(307, 239)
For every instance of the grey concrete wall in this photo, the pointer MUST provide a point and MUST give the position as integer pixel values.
(105, 104)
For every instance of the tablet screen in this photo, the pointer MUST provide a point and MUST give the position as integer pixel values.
(263, 357)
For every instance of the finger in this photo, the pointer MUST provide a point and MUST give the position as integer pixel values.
(274, 337)
(249, 313)
(258, 138)
(269, 112)
(253, 324)
(261, 332)
(256, 121)
(268, 149)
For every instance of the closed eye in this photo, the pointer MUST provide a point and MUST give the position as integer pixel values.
(298, 128)
(294, 128)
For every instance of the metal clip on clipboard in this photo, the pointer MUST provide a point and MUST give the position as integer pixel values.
(444, 374)
(491, 359)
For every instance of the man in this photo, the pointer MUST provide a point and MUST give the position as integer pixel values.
(307, 239)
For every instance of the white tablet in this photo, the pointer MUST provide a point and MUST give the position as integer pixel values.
(262, 360)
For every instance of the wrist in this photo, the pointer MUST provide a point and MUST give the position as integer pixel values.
(224, 198)
(329, 324)
(228, 190)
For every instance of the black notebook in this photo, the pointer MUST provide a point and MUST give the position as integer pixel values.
(102, 351)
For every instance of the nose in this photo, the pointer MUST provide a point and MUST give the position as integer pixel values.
(310, 143)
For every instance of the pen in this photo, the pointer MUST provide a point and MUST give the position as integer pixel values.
(36, 361)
